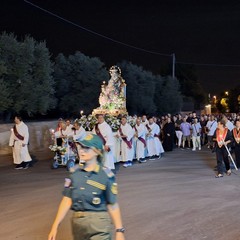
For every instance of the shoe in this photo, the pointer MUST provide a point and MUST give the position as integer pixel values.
(193, 149)
(19, 166)
(129, 164)
(199, 149)
(125, 165)
(26, 165)
(142, 160)
(219, 175)
(229, 172)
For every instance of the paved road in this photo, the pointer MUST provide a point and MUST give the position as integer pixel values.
(173, 198)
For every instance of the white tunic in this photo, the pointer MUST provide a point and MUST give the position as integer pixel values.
(79, 134)
(140, 148)
(68, 132)
(154, 146)
(20, 153)
(145, 122)
(126, 152)
(108, 157)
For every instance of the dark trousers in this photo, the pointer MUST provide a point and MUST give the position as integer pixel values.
(222, 156)
(91, 226)
(237, 154)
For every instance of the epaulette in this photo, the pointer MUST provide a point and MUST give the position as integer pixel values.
(108, 171)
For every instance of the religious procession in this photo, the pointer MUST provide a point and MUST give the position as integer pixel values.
(134, 139)
(109, 137)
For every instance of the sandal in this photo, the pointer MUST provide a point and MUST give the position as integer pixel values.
(229, 172)
(219, 175)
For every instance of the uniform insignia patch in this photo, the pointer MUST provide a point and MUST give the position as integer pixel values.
(88, 137)
(96, 200)
(67, 182)
(114, 188)
(108, 171)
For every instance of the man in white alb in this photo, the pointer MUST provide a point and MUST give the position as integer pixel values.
(104, 131)
(154, 146)
(126, 133)
(19, 140)
(140, 134)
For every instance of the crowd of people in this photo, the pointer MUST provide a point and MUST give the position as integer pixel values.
(142, 138)
(146, 139)
(141, 142)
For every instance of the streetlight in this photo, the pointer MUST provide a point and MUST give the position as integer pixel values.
(226, 93)
(81, 112)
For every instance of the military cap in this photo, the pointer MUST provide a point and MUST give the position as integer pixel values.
(92, 141)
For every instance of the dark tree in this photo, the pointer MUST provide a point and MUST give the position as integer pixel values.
(78, 82)
(140, 89)
(26, 75)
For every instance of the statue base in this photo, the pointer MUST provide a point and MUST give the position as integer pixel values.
(112, 112)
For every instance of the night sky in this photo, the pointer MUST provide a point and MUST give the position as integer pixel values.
(205, 32)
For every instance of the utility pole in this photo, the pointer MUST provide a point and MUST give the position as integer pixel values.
(173, 65)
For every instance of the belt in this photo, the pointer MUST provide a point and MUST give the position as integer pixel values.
(79, 214)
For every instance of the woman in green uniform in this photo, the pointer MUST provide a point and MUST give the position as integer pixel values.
(91, 192)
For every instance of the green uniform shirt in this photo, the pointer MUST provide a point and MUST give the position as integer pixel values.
(91, 191)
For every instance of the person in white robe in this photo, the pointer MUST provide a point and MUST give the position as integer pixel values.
(19, 140)
(154, 146)
(144, 120)
(104, 131)
(140, 134)
(79, 133)
(126, 133)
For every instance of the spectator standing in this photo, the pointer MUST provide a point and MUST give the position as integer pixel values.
(196, 134)
(186, 130)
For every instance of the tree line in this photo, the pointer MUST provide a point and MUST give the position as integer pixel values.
(34, 84)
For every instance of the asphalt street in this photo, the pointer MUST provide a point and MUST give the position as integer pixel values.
(176, 197)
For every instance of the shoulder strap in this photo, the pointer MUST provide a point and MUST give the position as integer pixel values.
(17, 134)
(108, 172)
